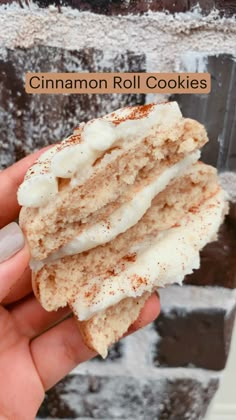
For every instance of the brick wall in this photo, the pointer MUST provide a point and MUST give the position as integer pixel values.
(171, 369)
(108, 7)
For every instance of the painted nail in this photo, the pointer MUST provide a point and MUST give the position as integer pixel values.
(11, 241)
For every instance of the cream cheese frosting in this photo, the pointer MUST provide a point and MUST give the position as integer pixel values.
(173, 254)
(123, 218)
(87, 144)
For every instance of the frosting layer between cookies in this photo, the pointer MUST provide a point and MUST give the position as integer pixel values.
(122, 219)
(166, 259)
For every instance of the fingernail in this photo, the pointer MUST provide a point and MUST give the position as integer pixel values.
(11, 241)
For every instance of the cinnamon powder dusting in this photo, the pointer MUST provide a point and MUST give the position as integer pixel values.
(72, 140)
(111, 272)
(135, 114)
(92, 291)
(130, 257)
(138, 281)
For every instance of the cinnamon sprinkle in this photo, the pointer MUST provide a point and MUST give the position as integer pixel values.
(136, 114)
(130, 257)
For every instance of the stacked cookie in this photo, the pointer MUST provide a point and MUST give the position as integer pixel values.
(118, 209)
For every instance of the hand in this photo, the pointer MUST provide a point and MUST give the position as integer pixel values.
(37, 348)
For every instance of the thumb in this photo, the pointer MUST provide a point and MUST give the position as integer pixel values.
(14, 257)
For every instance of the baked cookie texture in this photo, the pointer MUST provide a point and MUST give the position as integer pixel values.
(118, 209)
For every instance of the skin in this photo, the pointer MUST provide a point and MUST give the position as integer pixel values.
(37, 348)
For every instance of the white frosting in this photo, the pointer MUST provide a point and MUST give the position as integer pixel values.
(78, 154)
(38, 190)
(99, 134)
(123, 218)
(65, 163)
(167, 259)
(40, 185)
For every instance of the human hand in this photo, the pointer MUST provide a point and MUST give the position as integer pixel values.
(37, 348)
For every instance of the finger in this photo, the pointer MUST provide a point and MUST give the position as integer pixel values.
(60, 349)
(14, 254)
(10, 179)
(148, 313)
(32, 319)
(20, 289)
(11, 270)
